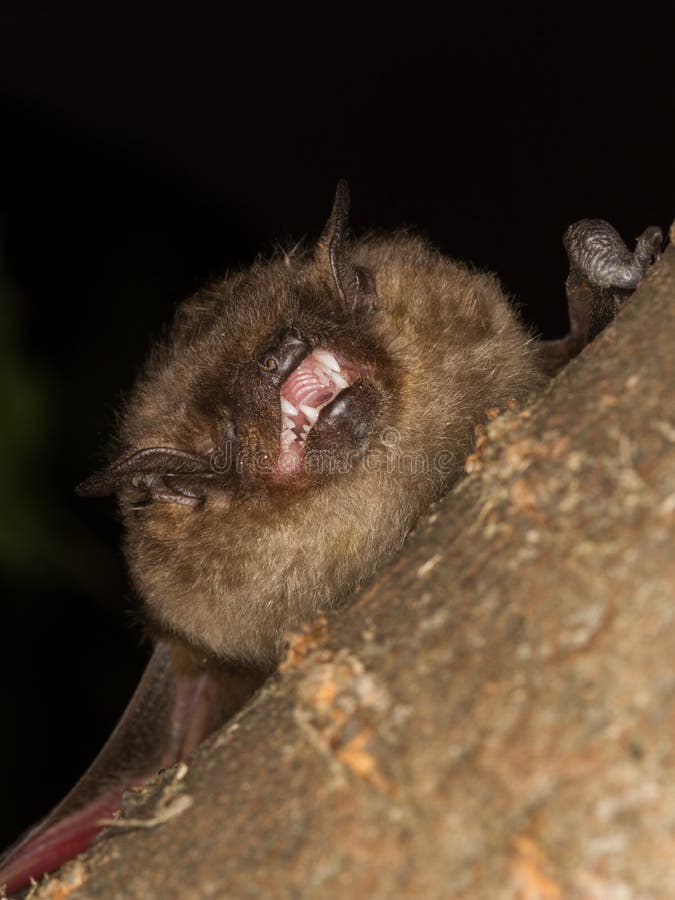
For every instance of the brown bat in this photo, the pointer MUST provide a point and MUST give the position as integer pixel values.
(279, 445)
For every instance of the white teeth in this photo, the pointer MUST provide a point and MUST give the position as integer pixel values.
(321, 369)
(327, 359)
(311, 413)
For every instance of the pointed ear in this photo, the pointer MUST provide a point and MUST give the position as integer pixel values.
(162, 474)
(353, 286)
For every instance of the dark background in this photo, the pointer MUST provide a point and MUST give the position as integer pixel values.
(148, 147)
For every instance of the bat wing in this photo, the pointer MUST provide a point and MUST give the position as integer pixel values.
(177, 703)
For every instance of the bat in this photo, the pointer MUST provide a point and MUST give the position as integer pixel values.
(278, 447)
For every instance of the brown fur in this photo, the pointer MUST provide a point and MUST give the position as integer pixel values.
(232, 573)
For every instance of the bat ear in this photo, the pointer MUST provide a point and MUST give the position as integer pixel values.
(353, 286)
(162, 474)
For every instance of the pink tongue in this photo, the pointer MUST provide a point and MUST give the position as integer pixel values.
(315, 400)
(310, 385)
(305, 387)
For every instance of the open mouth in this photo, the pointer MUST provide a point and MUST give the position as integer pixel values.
(310, 387)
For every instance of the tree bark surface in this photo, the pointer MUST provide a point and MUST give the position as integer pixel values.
(493, 715)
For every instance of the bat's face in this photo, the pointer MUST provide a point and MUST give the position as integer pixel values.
(268, 391)
(255, 472)
(260, 380)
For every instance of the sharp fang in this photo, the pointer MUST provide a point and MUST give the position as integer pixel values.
(287, 407)
(327, 359)
(339, 381)
(287, 422)
(311, 413)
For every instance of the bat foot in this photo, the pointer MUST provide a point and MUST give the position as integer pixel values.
(603, 274)
(597, 253)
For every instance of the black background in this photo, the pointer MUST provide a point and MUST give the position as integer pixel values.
(147, 147)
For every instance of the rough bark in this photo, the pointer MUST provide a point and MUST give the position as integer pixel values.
(493, 715)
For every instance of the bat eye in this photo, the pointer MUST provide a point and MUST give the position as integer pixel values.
(280, 360)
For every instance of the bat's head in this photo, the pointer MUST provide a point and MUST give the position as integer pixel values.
(268, 390)
(296, 422)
